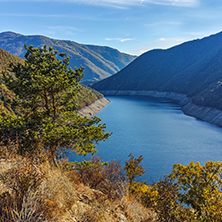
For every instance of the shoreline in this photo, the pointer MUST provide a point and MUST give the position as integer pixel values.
(95, 107)
(207, 114)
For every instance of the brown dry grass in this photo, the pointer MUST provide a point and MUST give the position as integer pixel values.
(58, 194)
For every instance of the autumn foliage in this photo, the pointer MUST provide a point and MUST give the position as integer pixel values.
(189, 193)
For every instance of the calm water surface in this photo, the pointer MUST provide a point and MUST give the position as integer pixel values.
(158, 130)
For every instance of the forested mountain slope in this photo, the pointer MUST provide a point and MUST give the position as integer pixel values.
(86, 95)
(6, 57)
(99, 61)
(193, 68)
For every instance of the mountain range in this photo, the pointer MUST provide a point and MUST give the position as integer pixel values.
(193, 69)
(99, 61)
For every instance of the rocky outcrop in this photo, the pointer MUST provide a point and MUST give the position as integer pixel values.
(94, 108)
(207, 114)
(181, 98)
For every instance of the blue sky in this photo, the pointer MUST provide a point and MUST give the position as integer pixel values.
(131, 26)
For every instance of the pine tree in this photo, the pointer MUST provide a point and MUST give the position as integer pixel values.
(45, 108)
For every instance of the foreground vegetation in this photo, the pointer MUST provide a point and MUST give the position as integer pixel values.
(32, 190)
(189, 193)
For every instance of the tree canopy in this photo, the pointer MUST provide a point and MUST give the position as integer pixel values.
(45, 108)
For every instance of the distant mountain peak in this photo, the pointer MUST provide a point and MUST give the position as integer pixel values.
(99, 61)
(9, 34)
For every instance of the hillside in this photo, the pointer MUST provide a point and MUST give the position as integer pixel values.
(99, 61)
(193, 69)
(6, 57)
(33, 191)
(85, 97)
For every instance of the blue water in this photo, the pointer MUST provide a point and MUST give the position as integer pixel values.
(158, 130)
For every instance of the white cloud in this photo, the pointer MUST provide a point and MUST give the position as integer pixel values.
(68, 30)
(198, 33)
(119, 39)
(70, 16)
(124, 40)
(121, 3)
(125, 3)
(171, 39)
(30, 15)
(63, 28)
(182, 3)
(163, 23)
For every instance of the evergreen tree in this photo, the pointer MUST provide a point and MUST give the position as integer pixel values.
(133, 168)
(46, 117)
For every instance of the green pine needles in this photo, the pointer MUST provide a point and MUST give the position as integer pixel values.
(45, 116)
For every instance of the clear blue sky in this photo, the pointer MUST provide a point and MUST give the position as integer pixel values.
(131, 26)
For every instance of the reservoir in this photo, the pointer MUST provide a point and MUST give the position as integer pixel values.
(158, 130)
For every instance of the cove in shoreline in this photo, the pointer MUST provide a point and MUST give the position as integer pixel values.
(207, 114)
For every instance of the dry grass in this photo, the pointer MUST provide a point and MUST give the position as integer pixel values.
(32, 191)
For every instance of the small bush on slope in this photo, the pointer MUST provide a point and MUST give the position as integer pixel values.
(106, 177)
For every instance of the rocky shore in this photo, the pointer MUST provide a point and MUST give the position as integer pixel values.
(94, 108)
(206, 114)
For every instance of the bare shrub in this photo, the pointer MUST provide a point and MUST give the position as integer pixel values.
(107, 178)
